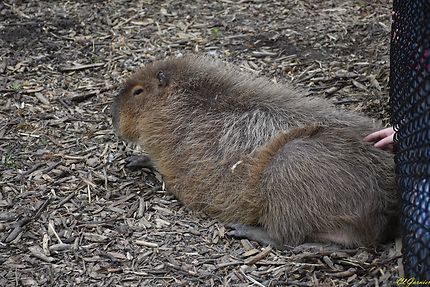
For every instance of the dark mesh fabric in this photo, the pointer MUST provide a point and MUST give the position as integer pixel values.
(410, 102)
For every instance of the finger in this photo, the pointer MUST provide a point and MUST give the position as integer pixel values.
(384, 142)
(379, 134)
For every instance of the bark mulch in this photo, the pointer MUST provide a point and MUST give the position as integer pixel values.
(72, 214)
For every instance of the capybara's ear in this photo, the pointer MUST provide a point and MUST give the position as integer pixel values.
(162, 79)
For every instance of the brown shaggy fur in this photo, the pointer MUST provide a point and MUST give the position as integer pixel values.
(247, 151)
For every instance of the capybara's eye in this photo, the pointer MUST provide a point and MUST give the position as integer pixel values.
(137, 90)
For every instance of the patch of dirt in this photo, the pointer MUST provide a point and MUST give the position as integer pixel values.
(72, 214)
(19, 35)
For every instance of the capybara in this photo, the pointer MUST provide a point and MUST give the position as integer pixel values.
(280, 167)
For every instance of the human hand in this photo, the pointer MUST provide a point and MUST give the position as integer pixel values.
(383, 139)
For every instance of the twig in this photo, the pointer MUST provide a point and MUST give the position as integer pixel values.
(22, 222)
(259, 256)
(79, 67)
(251, 279)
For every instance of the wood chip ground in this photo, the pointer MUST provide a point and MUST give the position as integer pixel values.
(71, 214)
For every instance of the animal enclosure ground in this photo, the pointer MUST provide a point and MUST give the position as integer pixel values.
(71, 214)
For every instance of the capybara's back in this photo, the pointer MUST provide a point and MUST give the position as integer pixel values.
(281, 167)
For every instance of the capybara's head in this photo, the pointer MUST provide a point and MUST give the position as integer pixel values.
(138, 99)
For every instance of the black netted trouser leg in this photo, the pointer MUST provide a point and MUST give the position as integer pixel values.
(410, 102)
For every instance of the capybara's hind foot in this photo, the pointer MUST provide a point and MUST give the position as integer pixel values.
(255, 233)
